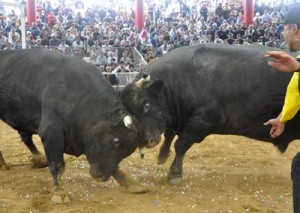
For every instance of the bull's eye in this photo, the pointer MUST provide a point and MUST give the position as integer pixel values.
(116, 143)
(146, 108)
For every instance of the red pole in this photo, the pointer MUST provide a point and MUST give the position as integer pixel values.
(30, 11)
(248, 12)
(139, 13)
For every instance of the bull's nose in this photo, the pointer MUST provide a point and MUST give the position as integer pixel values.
(153, 142)
(101, 178)
(98, 175)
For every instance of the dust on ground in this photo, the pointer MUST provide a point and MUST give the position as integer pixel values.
(222, 174)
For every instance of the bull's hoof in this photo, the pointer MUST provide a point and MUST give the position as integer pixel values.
(162, 157)
(60, 197)
(135, 189)
(39, 161)
(175, 180)
(161, 161)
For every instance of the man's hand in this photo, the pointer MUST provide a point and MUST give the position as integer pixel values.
(282, 61)
(277, 127)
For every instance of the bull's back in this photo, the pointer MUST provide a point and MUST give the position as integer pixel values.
(37, 69)
(210, 66)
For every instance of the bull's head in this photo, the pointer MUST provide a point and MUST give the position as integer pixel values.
(143, 99)
(108, 145)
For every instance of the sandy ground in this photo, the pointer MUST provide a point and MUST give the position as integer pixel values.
(222, 174)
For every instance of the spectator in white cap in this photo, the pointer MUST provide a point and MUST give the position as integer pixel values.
(54, 41)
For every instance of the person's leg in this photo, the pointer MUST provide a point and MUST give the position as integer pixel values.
(295, 174)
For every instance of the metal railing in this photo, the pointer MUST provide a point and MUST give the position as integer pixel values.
(123, 78)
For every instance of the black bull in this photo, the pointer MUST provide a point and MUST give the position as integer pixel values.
(73, 109)
(196, 91)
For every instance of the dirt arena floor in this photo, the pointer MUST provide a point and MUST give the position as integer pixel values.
(222, 174)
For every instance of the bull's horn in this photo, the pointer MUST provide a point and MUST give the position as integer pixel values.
(142, 152)
(128, 121)
(143, 81)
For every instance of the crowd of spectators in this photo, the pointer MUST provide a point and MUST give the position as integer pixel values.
(108, 37)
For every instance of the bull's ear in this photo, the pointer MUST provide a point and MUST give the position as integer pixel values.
(157, 86)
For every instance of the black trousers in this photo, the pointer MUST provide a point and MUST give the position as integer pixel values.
(295, 174)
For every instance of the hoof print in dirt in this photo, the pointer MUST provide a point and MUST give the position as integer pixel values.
(39, 161)
(60, 198)
(4, 167)
(175, 180)
(136, 189)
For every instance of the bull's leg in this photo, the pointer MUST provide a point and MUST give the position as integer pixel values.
(164, 151)
(38, 160)
(53, 141)
(127, 184)
(195, 131)
(3, 164)
(181, 147)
